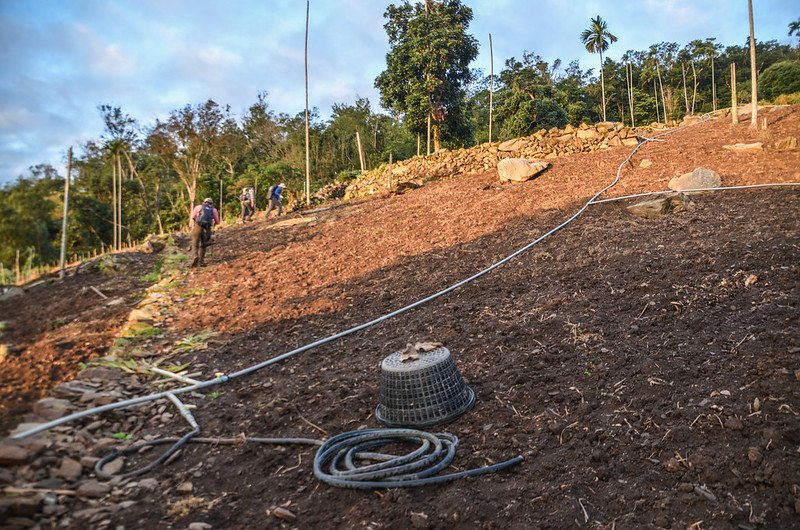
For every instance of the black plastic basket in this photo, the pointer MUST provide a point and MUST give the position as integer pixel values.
(422, 392)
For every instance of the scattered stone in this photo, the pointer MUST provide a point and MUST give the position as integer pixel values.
(25, 506)
(790, 142)
(754, 456)
(185, 488)
(153, 244)
(797, 375)
(94, 489)
(148, 484)
(283, 513)
(512, 145)
(69, 470)
(704, 492)
(100, 373)
(52, 408)
(685, 487)
(520, 169)
(13, 455)
(6, 476)
(700, 178)
(200, 526)
(419, 520)
(646, 163)
(750, 280)
(745, 148)
(114, 467)
(655, 208)
(89, 461)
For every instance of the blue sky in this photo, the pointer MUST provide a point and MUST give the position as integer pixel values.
(60, 59)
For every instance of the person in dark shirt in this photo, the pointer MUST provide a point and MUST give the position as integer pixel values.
(204, 216)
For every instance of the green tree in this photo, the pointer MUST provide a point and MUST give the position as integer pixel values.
(427, 67)
(780, 78)
(597, 39)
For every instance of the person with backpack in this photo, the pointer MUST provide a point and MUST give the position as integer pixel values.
(274, 194)
(248, 199)
(204, 216)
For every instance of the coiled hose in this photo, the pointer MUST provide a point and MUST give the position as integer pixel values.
(334, 463)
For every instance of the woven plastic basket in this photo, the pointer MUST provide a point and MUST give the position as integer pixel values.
(422, 392)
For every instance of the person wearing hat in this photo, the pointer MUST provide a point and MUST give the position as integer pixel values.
(275, 200)
(204, 216)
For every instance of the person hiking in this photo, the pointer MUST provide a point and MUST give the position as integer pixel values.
(275, 200)
(204, 216)
(248, 199)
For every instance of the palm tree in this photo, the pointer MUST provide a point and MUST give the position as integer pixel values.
(794, 28)
(597, 39)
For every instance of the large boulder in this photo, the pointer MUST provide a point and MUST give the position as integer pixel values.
(698, 179)
(520, 169)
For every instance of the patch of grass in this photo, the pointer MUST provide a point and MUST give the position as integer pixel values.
(173, 262)
(107, 264)
(121, 436)
(214, 394)
(195, 341)
(129, 366)
(154, 276)
(141, 331)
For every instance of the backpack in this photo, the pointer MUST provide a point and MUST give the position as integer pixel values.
(245, 197)
(206, 216)
(271, 191)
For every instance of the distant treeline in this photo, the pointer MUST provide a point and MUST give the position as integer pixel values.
(204, 149)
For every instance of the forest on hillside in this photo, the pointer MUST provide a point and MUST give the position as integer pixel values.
(156, 171)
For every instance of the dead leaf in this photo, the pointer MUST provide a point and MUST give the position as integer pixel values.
(427, 346)
(750, 280)
(409, 354)
(283, 513)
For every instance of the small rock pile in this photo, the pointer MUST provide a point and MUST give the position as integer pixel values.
(543, 145)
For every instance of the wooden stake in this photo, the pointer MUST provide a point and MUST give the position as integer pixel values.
(389, 184)
(16, 270)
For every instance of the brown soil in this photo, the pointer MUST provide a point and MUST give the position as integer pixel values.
(56, 326)
(622, 357)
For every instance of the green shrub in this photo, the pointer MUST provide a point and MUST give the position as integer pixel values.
(780, 78)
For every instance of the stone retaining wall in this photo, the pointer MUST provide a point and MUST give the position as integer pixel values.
(543, 145)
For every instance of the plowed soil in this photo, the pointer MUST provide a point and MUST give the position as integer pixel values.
(647, 370)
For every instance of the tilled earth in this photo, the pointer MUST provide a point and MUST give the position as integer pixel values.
(647, 370)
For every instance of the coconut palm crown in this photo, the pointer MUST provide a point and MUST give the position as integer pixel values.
(597, 38)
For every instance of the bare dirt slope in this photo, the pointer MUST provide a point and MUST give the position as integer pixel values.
(648, 370)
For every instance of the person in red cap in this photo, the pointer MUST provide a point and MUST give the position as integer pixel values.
(204, 216)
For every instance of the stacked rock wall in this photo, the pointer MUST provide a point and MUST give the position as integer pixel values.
(543, 145)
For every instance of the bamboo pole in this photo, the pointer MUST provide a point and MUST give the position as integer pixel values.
(18, 274)
(389, 183)
(308, 154)
(66, 209)
(119, 201)
(429, 134)
(713, 85)
(491, 84)
(419, 142)
(734, 102)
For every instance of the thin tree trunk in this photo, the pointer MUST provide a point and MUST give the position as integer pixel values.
(629, 82)
(685, 94)
(753, 76)
(419, 144)
(16, 270)
(602, 86)
(360, 152)
(713, 85)
(663, 98)
(655, 95)
(114, 202)
(119, 201)
(694, 92)
(429, 134)
(734, 99)
(63, 253)
(437, 138)
(491, 84)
